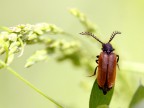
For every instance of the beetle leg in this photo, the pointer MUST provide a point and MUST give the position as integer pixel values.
(97, 60)
(117, 61)
(94, 72)
(118, 66)
(95, 68)
(117, 58)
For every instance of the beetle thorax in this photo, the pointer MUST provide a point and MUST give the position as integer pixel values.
(107, 48)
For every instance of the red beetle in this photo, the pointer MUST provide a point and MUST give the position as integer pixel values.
(107, 61)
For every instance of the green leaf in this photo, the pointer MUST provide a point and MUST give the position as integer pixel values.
(138, 97)
(98, 99)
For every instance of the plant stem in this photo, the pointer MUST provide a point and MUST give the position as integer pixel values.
(29, 84)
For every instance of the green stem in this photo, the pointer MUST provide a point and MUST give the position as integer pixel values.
(29, 84)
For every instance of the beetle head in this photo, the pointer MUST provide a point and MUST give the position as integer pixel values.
(107, 48)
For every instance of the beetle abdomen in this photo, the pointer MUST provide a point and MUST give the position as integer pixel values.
(106, 71)
(102, 69)
(111, 70)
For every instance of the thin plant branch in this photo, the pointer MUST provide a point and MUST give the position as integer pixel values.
(29, 84)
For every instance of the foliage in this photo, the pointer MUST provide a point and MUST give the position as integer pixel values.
(98, 99)
(14, 39)
(137, 97)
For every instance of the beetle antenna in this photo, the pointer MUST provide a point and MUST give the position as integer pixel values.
(113, 35)
(90, 34)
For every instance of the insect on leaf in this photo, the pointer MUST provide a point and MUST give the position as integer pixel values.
(98, 99)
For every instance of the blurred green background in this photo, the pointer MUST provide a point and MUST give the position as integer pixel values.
(63, 81)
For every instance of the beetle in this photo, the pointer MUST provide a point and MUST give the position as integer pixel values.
(107, 62)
